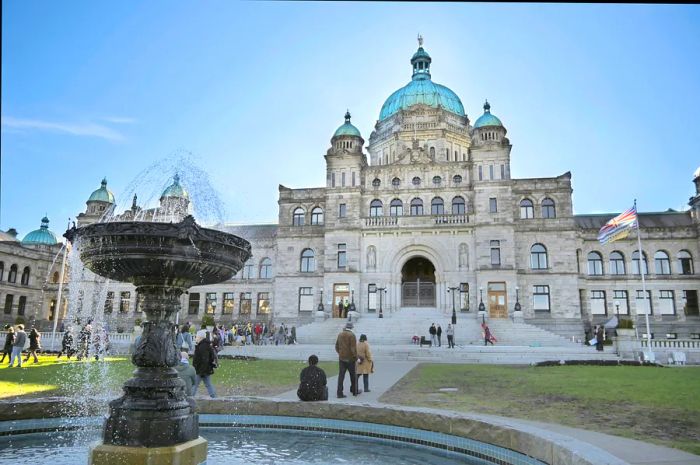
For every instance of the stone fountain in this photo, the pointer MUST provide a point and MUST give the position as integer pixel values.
(155, 419)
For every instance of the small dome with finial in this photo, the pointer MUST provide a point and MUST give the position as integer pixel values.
(175, 189)
(347, 129)
(41, 236)
(487, 119)
(102, 194)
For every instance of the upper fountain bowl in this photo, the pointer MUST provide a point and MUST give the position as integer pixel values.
(178, 255)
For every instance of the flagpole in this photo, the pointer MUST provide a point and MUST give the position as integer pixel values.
(644, 286)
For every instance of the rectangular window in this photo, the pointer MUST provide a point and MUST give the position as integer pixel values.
(248, 271)
(644, 306)
(598, 303)
(464, 297)
(246, 303)
(495, 253)
(540, 298)
(342, 257)
(124, 302)
(306, 299)
(691, 302)
(372, 298)
(491, 172)
(341, 210)
(21, 305)
(210, 303)
(52, 309)
(666, 303)
(353, 179)
(493, 205)
(139, 303)
(332, 179)
(342, 179)
(503, 171)
(621, 303)
(263, 303)
(481, 173)
(109, 302)
(193, 305)
(227, 308)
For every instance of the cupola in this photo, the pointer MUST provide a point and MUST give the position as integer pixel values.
(488, 128)
(347, 137)
(41, 236)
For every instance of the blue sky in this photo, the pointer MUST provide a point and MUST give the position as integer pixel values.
(255, 90)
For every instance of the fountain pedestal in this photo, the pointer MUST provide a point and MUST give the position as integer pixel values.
(188, 453)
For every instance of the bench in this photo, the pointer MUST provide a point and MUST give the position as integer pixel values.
(425, 341)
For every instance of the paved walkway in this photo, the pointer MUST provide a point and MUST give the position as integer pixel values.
(634, 452)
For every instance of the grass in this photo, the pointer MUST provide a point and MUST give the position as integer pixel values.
(51, 377)
(646, 403)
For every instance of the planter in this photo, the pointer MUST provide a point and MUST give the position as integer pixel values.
(625, 332)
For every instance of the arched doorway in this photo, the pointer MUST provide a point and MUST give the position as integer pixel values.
(418, 283)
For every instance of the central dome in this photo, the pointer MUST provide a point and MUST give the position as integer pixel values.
(421, 90)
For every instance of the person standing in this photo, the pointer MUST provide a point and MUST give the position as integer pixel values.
(599, 335)
(34, 345)
(312, 382)
(433, 335)
(186, 372)
(187, 337)
(346, 308)
(18, 346)
(9, 339)
(450, 336)
(205, 361)
(67, 344)
(488, 337)
(365, 362)
(346, 347)
(439, 335)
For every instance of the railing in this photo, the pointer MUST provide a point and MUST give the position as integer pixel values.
(115, 339)
(419, 221)
(381, 221)
(672, 343)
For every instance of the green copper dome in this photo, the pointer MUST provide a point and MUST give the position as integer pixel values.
(347, 129)
(421, 90)
(41, 236)
(487, 119)
(175, 189)
(102, 194)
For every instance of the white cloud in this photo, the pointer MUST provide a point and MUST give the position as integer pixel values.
(88, 129)
(119, 119)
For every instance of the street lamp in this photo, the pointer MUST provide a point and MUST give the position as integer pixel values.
(482, 307)
(517, 307)
(452, 290)
(320, 304)
(381, 290)
(351, 307)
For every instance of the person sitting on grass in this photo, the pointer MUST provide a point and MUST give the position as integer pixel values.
(312, 385)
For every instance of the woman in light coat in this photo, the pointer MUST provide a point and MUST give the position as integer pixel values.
(365, 362)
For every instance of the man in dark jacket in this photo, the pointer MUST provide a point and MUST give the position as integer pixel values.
(18, 346)
(312, 385)
(433, 335)
(346, 346)
(9, 340)
(439, 335)
(204, 362)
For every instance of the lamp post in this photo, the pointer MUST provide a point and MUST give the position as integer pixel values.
(351, 307)
(320, 304)
(617, 310)
(482, 307)
(517, 307)
(452, 290)
(381, 290)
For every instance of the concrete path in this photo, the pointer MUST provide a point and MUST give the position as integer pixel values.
(634, 452)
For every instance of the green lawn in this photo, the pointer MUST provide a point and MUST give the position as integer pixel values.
(233, 377)
(647, 403)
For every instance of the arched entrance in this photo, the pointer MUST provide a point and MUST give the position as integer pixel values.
(418, 283)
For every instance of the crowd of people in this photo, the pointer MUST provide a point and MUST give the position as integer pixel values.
(238, 334)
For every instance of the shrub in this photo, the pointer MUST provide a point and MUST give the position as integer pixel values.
(625, 323)
(20, 320)
(138, 322)
(208, 320)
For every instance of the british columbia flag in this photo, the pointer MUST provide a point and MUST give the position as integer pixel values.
(618, 227)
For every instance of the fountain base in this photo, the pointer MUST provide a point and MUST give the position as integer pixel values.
(192, 452)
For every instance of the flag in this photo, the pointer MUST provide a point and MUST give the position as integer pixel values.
(618, 227)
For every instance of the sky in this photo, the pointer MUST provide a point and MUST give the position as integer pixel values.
(253, 91)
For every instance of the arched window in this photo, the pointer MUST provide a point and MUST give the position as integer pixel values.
(416, 207)
(595, 264)
(317, 216)
(298, 217)
(432, 152)
(437, 206)
(376, 208)
(437, 180)
(376, 182)
(308, 261)
(265, 268)
(635, 263)
(548, 209)
(662, 264)
(685, 262)
(538, 257)
(617, 263)
(458, 206)
(12, 275)
(396, 208)
(527, 210)
(416, 181)
(457, 179)
(396, 182)
(25, 276)
(55, 277)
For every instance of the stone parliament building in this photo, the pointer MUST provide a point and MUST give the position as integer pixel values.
(426, 216)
